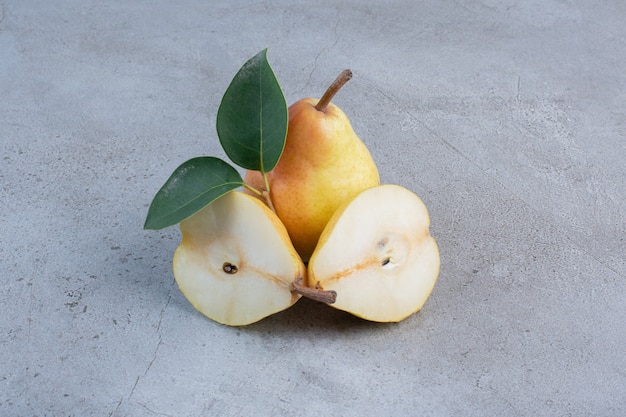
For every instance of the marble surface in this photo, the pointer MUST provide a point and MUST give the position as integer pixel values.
(507, 118)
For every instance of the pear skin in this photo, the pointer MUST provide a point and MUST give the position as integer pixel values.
(255, 180)
(323, 165)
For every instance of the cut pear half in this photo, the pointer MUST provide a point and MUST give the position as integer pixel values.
(377, 253)
(235, 263)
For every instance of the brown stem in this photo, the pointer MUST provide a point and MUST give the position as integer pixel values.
(339, 82)
(316, 294)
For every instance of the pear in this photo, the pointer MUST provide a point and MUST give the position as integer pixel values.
(377, 254)
(235, 263)
(323, 165)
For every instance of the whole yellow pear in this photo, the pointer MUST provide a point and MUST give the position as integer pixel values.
(324, 164)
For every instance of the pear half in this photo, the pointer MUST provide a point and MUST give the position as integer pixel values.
(377, 253)
(235, 263)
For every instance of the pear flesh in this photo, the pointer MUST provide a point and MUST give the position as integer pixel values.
(377, 253)
(235, 263)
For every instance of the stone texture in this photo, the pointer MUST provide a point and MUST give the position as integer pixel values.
(507, 118)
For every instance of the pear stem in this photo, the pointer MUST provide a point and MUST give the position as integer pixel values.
(339, 82)
(254, 190)
(268, 200)
(315, 294)
(266, 193)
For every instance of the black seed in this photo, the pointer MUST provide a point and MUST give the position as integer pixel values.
(229, 268)
(385, 261)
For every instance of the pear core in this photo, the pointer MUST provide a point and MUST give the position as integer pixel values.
(376, 252)
(235, 263)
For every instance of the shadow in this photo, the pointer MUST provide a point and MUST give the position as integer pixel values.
(314, 318)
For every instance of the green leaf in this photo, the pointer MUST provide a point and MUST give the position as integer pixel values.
(192, 186)
(252, 117)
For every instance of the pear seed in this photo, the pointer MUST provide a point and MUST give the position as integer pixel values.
(229, 268)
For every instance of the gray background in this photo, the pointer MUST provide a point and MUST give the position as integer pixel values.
(507, 117)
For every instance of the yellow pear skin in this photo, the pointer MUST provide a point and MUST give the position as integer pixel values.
(324, 164)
